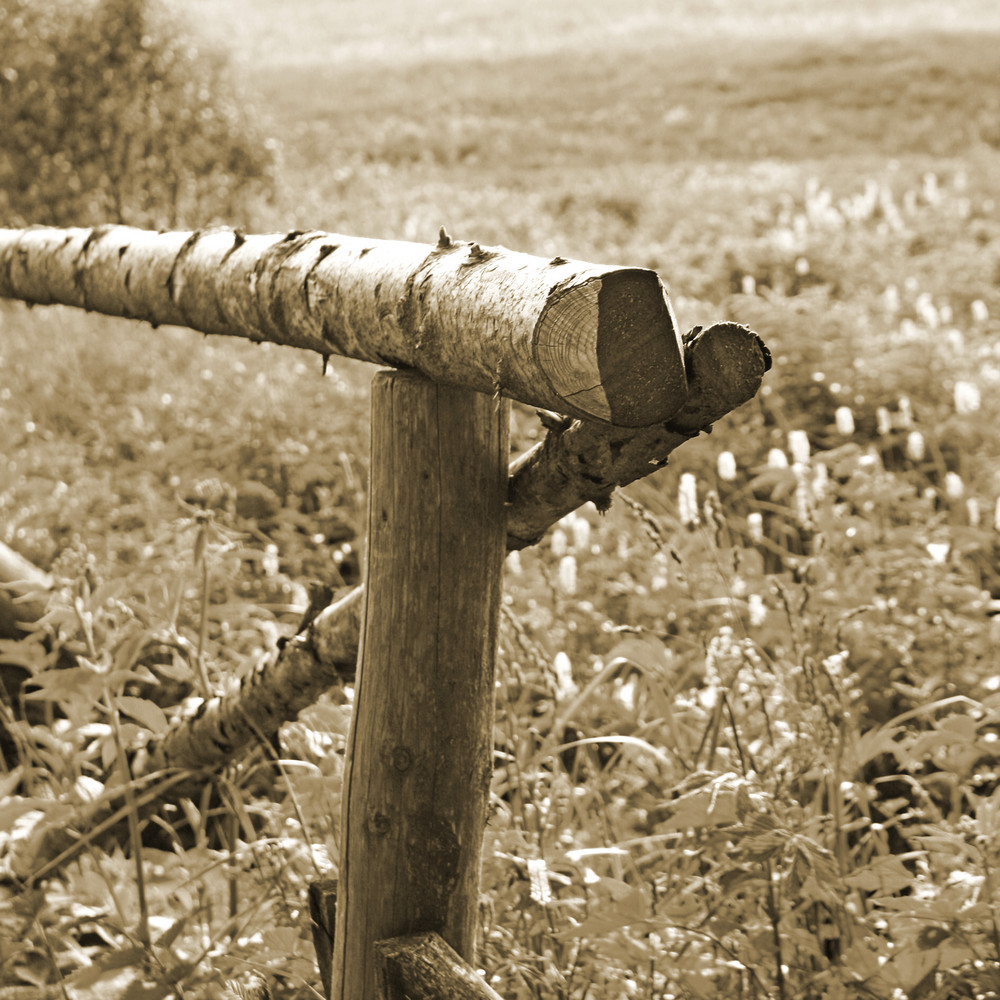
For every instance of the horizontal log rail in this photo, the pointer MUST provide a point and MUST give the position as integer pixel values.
(593, 341)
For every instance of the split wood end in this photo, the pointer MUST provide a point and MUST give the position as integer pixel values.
(610, 347)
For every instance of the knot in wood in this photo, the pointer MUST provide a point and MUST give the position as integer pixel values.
(379, 824)
(401, 758)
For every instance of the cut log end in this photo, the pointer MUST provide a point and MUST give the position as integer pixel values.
(611, 349)
(725, 365)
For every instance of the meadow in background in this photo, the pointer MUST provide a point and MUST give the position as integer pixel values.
(747, 733)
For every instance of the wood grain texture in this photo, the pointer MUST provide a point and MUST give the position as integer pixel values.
(594, 341)
(322, 897)
(420, 749)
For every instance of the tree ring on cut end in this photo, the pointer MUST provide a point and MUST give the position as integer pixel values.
(566, 347)
(610, 348)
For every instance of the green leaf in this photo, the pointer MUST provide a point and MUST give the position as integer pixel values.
(645, 651)
(145, 711)
(884, 875)
(108, 966)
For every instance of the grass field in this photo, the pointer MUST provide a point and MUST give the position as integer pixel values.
(796, 792)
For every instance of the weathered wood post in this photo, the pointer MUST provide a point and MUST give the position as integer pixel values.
(420, 753)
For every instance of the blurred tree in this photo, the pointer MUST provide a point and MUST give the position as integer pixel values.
(110, 113)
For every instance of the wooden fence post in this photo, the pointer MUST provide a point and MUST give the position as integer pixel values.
(420, 755)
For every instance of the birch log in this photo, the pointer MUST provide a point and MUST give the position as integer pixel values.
(594, 341)
(584, 462)
(568, 468)
(725, 366)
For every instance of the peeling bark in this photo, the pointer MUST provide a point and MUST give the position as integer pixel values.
(595, 341)
(224, 726)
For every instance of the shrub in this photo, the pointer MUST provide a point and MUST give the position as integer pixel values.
(110, 114)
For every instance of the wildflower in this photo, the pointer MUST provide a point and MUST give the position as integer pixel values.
(567, 575)
(559, 543)
(538, 880)
(844, 419)
(562, 667)
(777, 459)
(755, 524)
(625, 691)
(801, 266)
(758, 610)
(926, 311)
(622, 549)
(514, 563)
(802, 499)
(980, 314)
(687, 500)
(996, 516)
(890, 299)
(712, 509)
(834, 665)
(723, 658)
(269, 562)
(883, 420)
(967, 397)
(798, 445)
(938, 551)
(973, 512)
(954, 488)
(870, 461)
(726, 466)
(581, 534)
(749, 284)
(905, 408)
(890, 213)
(820, 481)
(916, 447)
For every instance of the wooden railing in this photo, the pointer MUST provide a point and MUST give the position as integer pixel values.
(466, 328)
